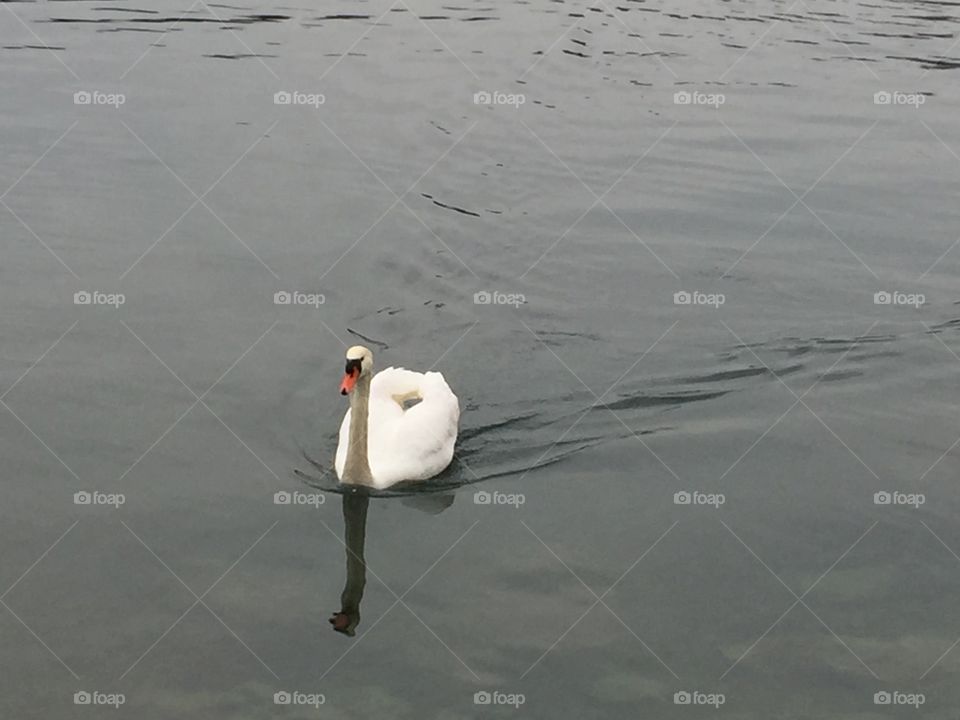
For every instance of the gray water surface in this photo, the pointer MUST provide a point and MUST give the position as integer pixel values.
(741, 152)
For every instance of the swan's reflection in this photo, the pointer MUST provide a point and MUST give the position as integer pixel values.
(355, 504)
(354, 532)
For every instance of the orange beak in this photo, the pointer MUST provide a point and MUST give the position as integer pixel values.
(349, 380)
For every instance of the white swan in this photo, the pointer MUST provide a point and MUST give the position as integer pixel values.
(382, 440)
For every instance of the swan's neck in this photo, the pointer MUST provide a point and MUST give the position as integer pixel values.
(356, 469)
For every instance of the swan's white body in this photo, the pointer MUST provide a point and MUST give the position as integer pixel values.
(405, 444)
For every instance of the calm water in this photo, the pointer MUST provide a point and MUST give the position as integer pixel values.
(734, 151)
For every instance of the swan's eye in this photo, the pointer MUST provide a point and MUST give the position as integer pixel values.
(353, 366)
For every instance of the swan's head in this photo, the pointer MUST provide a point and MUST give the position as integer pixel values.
(359, 362)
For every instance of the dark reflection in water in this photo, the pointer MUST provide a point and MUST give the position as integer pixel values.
(355, 506)
(356, 501)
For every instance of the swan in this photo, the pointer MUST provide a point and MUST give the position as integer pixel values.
(383, 440)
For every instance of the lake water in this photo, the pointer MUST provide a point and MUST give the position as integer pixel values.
(689, 266)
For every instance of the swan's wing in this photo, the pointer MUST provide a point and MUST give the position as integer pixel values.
(416, 443)
(393, 383)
